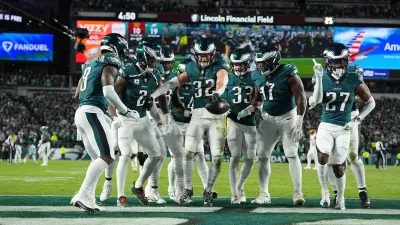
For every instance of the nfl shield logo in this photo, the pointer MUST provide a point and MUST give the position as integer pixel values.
(337, 82)
(136, 81)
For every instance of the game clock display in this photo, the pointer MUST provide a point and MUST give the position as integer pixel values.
(127, 16)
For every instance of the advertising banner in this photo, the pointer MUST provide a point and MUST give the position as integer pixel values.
(97, 30)
(26, 47)
(376, 50)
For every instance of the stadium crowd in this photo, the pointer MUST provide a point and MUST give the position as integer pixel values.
(310, 8)
(24, 77)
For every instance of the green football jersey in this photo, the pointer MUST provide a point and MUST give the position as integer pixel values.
(138, 87)
(339, 96)
(91, 89)
(354, 107)
(239, 94)
(186, 93)
(165, 78)
(203, 81)
(20, 139)
(275, 90)
(32, 138)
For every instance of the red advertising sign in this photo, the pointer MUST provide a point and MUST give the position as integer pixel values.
(97, 30)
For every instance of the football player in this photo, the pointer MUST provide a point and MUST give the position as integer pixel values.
(44, 145)
(96, 91)
(241, 122)
(282, 118)
(209, 78)
(336, 87)
(32, 139)
(312, 149)
(135, 82)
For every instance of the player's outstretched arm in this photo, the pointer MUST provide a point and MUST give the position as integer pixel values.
(163, 101)
(365, 95)
(182, 78)
(318, 90)
(222, 81)
(77, 91)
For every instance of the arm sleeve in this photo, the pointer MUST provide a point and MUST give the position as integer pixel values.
(369, 106)
(318, 89)
(173, 83)
(114, 99)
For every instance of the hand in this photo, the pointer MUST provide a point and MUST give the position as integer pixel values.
(148, 103)
(297, 131)
(166, 126)
(215, 97)
(187, 113)
(311, 102)
(116, 123)
(318, 70)
(354, 122)
(246, 112)
(133, 114)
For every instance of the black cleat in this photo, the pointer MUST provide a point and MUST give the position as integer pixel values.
(85, 208)
(139, 192)
(208, 198)
(334, 201)
(365, 203)
(185, 197)
(215, 195)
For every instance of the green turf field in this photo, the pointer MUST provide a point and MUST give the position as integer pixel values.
(31, 191)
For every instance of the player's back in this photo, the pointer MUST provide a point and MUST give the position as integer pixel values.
(239, 94)
(278, 98)
(339, 96)
(91, 89)
(203, 81)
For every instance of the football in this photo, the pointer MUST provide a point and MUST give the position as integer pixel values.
(218, 107)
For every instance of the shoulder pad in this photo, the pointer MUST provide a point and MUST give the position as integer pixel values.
(255, 74)
(110, 59)
(357, 71)
(128, 70)
(290, 69)
(221, 63)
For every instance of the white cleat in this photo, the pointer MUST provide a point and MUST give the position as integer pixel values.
(156, 197)
(242, 196)
(171, 194)
(325, 200)
(105, 194)
(235, 199)
(43, 164)
(340, 205)
(298, 198)
(95, 205)
(307, 167)
(315, 168)
(262, 199)
(85, 203)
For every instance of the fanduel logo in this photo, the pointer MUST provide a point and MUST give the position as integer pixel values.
(7, 45)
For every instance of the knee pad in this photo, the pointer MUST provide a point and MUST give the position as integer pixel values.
(322, 157)
(235, 159)
(249, 161)
(141, 158)
(338, 170)
(352, 156)
(217, 161)
(189, 155)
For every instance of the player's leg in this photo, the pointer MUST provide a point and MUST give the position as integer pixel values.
(309, 159)
(18, 152)
(357, 166)
(194, 134)
(249, 153)
(235, 138)
(332, 180)
(107, 186)
(46, 151)
(174, 142)
(267, 137)
(216, 136)
(325, 144)
(339, 155)
(171, 178)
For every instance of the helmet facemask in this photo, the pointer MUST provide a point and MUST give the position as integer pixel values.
(240, 62)
(148, 61)
(336, 65)
(267, 63)
(204, 54)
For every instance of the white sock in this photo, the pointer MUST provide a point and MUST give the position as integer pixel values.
(264, 172)
(245, 171)
(295, 172)
(171, 175)
(34, 158)
(357, 166)
(179, 173)
(202, 168)
(309, 158)
(188, 169)
(147, 169)
(153, 179)
(234, 174)
(122, 172)
(110, 170)
(341, 185)
(213, 172)
(93, 173)
(322, 171)
(331, 177)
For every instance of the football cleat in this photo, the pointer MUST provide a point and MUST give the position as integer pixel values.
(307, 167)
(325, 201)
(235, 199)
(185, 197)
(171, 194)
(242, 196)
(208, 198)
(107, 188)
(340, 204)
(121, 202)
(84, 202)
(262, 199)
(155, 196)
(365, 203)
(298, 198)
(334, 201)
(139, 192)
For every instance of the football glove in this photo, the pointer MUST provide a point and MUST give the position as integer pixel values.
(296, 132)
(116, 123)
(318, 69)
(166, 126)
(215, 97)
(311, 102)
(133, 114)
(354, 122)
(246, 112)
(187, 112)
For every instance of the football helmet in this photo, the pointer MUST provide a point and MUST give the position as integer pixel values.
(146, 55)
(267, 59)
(336, 58)
(240, 61)
(167, 59)
(114, 43)
(204, 50)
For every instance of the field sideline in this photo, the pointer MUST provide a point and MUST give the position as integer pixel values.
(31, 194)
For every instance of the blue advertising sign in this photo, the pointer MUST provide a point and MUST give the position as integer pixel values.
(376, 50)
(26, 47)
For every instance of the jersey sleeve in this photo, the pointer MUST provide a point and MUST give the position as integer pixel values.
(291, 70)
(256, 78)
(112, 60)
(359, 73)
(192, 71)
(157, 74)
